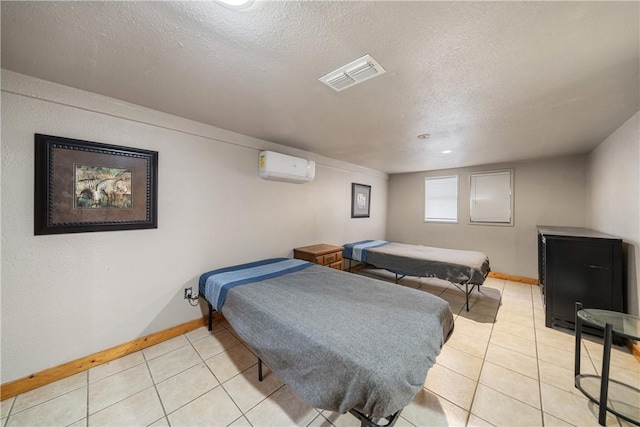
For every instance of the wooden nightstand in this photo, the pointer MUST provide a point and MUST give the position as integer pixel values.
(328, 255)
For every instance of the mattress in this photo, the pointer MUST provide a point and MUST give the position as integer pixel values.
(341, 341)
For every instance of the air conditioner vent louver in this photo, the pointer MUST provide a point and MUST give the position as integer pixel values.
(353, 73)
(364, 70)
(341, 81)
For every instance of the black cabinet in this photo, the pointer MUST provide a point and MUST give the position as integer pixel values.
(578, 264)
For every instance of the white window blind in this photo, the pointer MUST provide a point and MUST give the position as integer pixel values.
(441, 199)
(491, 197)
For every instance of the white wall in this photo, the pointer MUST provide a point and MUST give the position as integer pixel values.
(614, 198)
(67, 296)
(547, 192)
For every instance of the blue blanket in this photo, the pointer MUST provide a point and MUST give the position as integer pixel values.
(215, 284)
(358, 250)
(321, 331)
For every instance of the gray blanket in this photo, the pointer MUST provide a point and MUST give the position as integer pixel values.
(465, 267)
(340, 340)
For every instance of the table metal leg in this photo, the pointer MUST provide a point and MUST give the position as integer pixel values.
(604, 385)
(576, 369)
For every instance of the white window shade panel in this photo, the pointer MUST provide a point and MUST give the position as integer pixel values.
(491, 197)
(441, 199)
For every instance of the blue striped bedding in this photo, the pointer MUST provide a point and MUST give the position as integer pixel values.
(215, 284)
(358, 250)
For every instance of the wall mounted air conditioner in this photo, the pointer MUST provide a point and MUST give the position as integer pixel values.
(280, 167)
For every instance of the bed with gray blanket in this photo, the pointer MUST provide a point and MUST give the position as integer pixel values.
(343, 342)
(467, 268)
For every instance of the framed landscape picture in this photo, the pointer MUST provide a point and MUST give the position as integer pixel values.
(83, 186)
(360, 200)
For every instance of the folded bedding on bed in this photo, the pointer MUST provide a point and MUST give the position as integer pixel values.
(215, 284)
(340, 340)
(358, 250)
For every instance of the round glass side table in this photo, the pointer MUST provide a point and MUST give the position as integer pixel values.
(611, 395)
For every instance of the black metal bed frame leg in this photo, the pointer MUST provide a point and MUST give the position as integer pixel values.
(366, 421)
(210, 316)
(402, 276)
(259, 369)
(466, 292)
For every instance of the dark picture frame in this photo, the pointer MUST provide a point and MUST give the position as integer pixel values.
(360, 200)
(83, 186)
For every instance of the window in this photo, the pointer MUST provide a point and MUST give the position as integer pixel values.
(441, 199)
(491, 198)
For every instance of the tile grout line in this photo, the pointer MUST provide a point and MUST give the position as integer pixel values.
(315, 418)
(220, 382)
(208, 368)
(477, 382)
(469, 413)
(526, 403)
(164, 411)
(265, 397)
(9, 414)
(433, 392)
(244, 414)
(475, 390)
(535, 340)
(87, 408)
(40, 403)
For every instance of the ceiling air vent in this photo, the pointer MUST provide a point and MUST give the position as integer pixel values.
(353, 73)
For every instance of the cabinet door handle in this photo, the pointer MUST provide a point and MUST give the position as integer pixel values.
(599, 267)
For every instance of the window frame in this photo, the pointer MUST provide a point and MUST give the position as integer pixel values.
(511, 221)
(457, 201)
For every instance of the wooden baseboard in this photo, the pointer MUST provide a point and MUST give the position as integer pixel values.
(56, 373)
(520, 279)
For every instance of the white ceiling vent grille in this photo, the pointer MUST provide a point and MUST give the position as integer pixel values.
(353, 73)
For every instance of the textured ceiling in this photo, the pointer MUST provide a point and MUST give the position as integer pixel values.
(491, 81)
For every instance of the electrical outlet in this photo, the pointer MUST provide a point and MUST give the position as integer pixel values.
(187, 293)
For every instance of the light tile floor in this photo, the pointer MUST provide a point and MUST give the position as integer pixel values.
(500, 367)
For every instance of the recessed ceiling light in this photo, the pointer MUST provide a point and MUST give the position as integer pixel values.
(236, 4)
(424, 136)
(446, 151)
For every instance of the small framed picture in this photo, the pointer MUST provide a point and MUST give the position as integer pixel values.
(83, 186)
(360, 200)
